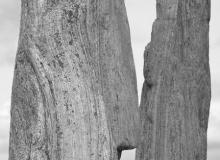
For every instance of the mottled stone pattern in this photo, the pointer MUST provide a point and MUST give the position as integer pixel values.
(74, 91)
(176, 94)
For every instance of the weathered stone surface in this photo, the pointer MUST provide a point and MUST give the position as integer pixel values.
(176, 93)
(74, 91)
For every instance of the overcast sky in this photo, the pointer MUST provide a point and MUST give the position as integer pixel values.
(141, 15)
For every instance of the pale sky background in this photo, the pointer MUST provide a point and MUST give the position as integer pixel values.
(141, 14)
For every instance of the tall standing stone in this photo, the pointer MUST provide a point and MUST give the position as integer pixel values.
(74, 91)
(176, 93)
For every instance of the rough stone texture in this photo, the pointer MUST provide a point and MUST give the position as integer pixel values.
(176, 95)
(74, 91)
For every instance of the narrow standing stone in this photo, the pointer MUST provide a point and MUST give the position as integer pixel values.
(176, 93)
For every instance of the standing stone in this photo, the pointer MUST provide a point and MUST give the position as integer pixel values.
(176, 93)
(74, 93)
